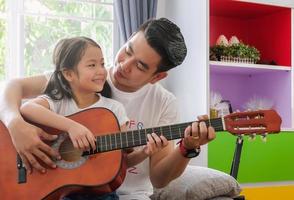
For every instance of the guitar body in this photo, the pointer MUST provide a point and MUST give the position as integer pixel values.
(99, 173)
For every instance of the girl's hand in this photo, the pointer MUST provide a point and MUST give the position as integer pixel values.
(81, 137)
(154, 144)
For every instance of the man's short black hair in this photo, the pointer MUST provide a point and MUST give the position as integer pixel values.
(166, 39)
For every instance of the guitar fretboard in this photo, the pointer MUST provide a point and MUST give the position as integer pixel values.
(128, 139)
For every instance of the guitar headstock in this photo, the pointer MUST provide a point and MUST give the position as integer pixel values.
(255, 122)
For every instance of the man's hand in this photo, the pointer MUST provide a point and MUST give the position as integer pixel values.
(198, 134)
(27, 141)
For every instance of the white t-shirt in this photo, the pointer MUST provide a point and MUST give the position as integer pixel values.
(67, 107)
(150, 106)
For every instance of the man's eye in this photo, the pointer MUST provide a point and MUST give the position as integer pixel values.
(140, 67)
(91, 65)
(127, 51)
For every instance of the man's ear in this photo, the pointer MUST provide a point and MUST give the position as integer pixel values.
(67, 74)
(158, 77)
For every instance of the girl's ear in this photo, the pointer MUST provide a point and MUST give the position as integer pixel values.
(67, 74)
(157, 77)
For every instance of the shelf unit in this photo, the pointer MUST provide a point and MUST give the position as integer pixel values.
(270, 29)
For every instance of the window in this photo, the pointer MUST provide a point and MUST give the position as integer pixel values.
(34, 27)
(2, 39)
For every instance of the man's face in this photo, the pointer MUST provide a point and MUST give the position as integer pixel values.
(135, 65)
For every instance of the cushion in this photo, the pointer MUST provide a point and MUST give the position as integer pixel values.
(199, 183)
(221, 198)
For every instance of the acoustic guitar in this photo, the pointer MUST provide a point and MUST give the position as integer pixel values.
(102, 170)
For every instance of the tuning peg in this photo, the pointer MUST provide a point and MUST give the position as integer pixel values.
(263, 137)
(252, 137)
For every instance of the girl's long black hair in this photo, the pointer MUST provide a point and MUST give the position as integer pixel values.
(66, 55)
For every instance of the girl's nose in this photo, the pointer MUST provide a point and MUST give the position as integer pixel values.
(101, 70)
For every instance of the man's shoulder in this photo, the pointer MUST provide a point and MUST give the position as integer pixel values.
(160, 92)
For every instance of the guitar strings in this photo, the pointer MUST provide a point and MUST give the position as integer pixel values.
(123, 143)
(132, 137)
(172, 129)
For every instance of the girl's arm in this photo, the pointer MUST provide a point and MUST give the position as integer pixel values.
(37, 110)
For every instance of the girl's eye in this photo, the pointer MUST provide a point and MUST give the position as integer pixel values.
(92, 65)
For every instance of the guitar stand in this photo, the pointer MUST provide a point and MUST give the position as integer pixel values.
(22, 172)
(236, 162)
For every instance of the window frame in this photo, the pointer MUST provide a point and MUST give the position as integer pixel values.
(15, 15)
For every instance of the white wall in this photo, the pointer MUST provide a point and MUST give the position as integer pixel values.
(161, 8)
(189, 81)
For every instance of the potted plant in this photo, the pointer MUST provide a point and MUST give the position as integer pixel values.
(237, 52)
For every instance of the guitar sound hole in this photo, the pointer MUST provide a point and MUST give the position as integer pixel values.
(68, 152)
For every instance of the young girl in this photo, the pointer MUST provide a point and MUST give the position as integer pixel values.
(78, 77)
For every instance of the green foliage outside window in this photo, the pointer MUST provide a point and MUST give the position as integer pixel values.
(2, 5)
(47, 21)
(78, 19)
(106, 1)
(42, 37)
(70, 8)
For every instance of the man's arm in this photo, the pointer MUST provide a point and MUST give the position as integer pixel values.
(25, 137)
(169, 163)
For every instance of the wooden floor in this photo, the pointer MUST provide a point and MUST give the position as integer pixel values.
(269, 193)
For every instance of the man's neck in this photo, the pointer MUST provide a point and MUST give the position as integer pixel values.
(119, 86)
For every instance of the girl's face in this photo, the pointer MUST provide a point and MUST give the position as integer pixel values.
(90, 74)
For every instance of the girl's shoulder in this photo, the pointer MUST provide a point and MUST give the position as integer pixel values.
(109, 101)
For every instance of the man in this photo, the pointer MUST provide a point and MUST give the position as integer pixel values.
(144, 60)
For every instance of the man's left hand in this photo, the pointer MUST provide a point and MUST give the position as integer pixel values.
(198, 134)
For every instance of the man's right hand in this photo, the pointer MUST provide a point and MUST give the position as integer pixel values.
(27, 140)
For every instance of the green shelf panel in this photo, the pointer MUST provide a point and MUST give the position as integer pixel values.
(268, 161)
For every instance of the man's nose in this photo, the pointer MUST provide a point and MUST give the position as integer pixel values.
(127, 64)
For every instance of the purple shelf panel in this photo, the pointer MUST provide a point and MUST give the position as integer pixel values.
(239, 86)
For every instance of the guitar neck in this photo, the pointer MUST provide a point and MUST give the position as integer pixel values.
(128, 139)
